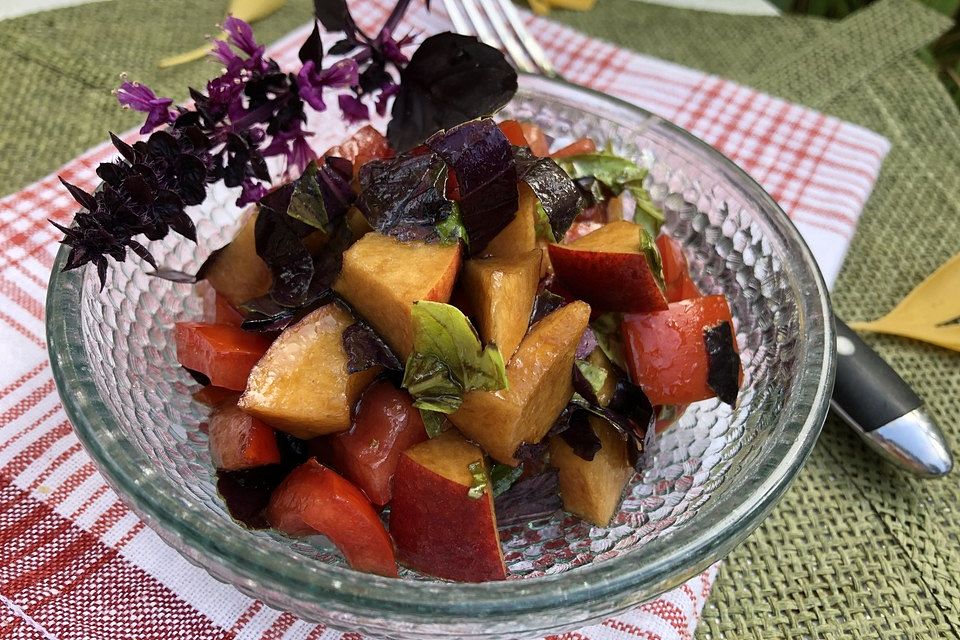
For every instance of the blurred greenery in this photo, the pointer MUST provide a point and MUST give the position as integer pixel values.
(943, 55)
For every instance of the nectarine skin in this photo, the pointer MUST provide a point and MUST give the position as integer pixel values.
(438, 529)
(607, 269)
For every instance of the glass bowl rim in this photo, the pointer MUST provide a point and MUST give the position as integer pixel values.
(658, 566)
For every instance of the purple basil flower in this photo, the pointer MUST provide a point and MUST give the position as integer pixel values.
(392, 49)
(311, 81)
(240, 35)
(138, 97)
(292, 144)
(251, 192)
(353, 109)
(386, 92)
(223, 52)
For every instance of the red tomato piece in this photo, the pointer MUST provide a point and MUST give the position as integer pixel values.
(575, 148)
(666, 352)
(314, 499)
(223, 353)
(216, 397)
(385, 425)
(676, 273)
(363, 146)
(453, 187)
(514, 132)
(668, 416)
(240, 441)
(536, 139)
(225, 313)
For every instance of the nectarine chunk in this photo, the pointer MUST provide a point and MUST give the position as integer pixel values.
(238, 273)
(610, 269)
(301, 385)
(540, 385)
(382, 277)
(520, 236)
(592, 489)
(437, 527)
(501, 293)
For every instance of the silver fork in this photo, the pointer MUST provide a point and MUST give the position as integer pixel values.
(498, 23)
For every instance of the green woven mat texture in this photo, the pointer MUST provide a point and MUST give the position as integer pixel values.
(856, 549)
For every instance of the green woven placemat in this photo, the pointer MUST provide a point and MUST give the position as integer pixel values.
(855, 549)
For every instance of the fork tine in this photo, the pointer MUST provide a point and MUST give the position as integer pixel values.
(513, 46)
(480, 26)
(530, 44)
(456, 17)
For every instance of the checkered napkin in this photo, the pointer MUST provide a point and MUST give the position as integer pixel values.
(75, 563)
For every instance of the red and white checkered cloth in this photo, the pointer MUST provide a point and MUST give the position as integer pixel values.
(75, 563)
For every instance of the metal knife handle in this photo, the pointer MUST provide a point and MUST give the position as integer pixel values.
(867, 389)
(884, 410)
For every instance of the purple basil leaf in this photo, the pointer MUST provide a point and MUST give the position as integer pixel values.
(450, 79)
(544, 304)
(365, 349)
(582, 386)
(174, 275)
(580, 436)
(125, 150)
(528, 499)
(211, 259)
(279, 243)
(558, 195)
(588, 342)
(723, 363)
(247, 493)
(343, 47)
(83, 198)
(334, 15)
(529, 452)
(312, 48)
(482, 159)
(406, 193)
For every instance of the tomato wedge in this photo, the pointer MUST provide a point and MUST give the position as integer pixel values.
(385, 425)
(314, 499)
(514, 132)
(676, 273)
(666, 352)
(575, 148)
(536, 139)
(225, 313)
(239, 441)
(363, 146)
(216, 397)
(223, 353)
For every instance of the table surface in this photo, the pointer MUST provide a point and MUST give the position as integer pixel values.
(856, 549)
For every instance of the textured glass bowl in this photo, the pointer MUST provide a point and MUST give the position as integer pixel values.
(708, 481)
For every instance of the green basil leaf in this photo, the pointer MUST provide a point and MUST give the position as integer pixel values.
(448, 359)
(650, 251)
(306, 201)
(542, 225)
(451, 229)
(594, 375)
(606, 328)
(478, 482)
(433, 422)
(503, 476)
(616, 174)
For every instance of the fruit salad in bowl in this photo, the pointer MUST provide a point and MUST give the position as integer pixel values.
(516, 359)
(435, 362)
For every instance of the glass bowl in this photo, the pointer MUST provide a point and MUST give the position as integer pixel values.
(708, 480)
